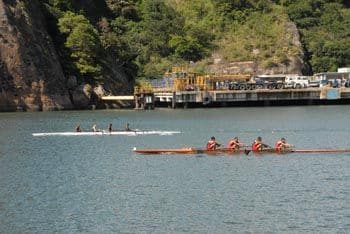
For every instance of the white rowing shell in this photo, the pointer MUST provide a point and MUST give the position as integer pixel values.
(125, 133)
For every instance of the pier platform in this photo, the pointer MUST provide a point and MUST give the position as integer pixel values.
(257, 97)
(222, 98)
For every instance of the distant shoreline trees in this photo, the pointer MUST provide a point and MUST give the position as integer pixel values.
(148, 37)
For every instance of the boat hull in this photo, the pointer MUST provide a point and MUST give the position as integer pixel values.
(124, 133)
(232, 152)
(191, 151)
(166, 151)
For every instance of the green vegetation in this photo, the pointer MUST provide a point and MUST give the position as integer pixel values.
(325, 29)
(83, 41)
(261, 37)
(147, 37)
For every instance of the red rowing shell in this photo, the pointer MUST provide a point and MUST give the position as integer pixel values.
(230, 151)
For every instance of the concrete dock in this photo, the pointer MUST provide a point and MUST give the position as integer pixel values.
(217, 98)
(253, 97)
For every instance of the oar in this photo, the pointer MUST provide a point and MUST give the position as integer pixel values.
(246, 151)
(321, 151)
(245, 146)
(265, 148)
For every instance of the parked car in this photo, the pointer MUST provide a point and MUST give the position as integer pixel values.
(347, 83)
(296, 82)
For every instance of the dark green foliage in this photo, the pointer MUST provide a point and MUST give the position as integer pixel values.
(64, 5)
(304, 14)
(158, 22)
(227, 6)
(83, 41)
(187, 48)
(148, 37)
(126, 9)
(325, 31)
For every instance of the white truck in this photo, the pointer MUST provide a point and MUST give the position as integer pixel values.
(296, 82)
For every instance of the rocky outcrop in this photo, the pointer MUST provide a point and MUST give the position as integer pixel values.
(86, 96)
(31, 77)
(293, 65)
(81, 96)
(220, 66)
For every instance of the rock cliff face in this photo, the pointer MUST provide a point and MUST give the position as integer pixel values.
(31, 77)
(294, 64)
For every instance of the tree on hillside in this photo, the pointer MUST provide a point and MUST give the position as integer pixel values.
(126, 9)
(230, 5)
(83, 41)
(63, 5)
(150, 36)
(325, 31)
(187, 48)
(159, 21)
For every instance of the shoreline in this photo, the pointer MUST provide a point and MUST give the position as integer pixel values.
(247, 104)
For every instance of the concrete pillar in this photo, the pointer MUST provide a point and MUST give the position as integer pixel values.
(136, 101)
(173, 101)
(153, 101)
(142, 101)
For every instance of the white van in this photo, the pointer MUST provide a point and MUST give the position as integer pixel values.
(296, 81)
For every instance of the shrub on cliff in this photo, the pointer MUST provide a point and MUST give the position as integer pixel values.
(325, 31)
(83, 41)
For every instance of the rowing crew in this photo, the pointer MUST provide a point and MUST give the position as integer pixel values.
(258, 144)
(110, 128)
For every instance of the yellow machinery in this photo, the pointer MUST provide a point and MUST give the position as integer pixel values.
(218, 79)
(183, 69)
(188, 81)
(232, 77)
(193, 81)
(183, 80)
(185, 83)
(143, 87)
(201, 82)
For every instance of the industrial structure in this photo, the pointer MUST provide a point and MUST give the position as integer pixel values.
(182, 88)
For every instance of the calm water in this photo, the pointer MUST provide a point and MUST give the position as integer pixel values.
(96, 184)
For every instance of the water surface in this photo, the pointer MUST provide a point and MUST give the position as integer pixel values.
(97, 184)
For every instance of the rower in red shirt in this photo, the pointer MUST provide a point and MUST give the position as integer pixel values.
(258, 145)
(212, 144)
(282, 145)
(234, 144)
